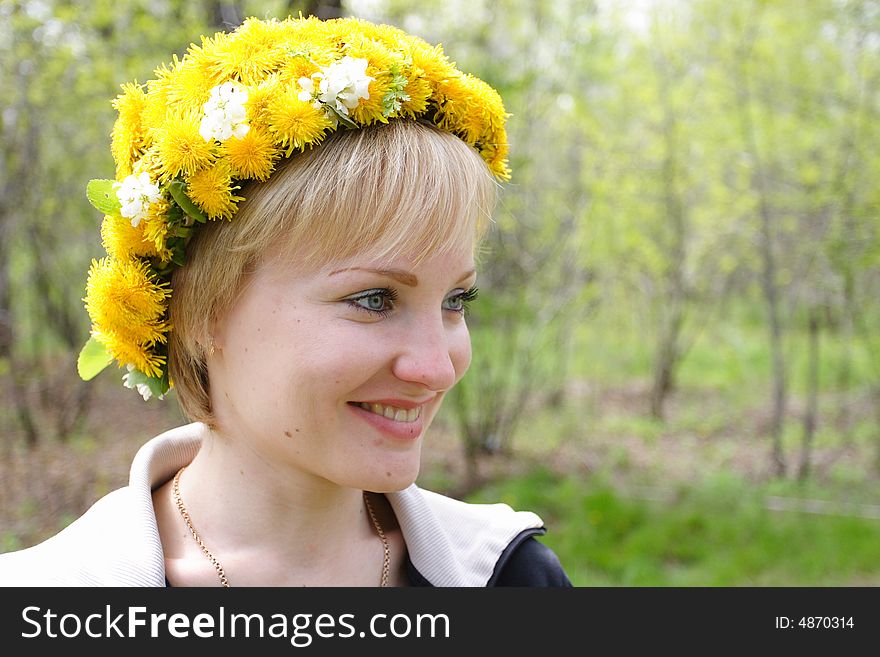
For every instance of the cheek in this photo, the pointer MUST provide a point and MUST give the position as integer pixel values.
(460, 352)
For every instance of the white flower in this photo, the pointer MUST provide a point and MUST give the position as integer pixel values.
(341, 85)
(142, 388)
(135, 194)
(224, 113)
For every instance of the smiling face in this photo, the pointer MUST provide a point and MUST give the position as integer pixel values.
(338, 371)
(333, 301)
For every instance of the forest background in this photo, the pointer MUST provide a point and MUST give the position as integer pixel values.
(676, 355)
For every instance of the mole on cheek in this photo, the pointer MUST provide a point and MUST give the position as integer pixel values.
(288, 434)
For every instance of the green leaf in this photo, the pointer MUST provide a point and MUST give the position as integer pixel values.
(101, 194)
(177, 188)
(342, 118)
(158, 387)
(178, 257)
(92, 359)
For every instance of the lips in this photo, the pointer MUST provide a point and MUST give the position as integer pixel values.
(392, 412)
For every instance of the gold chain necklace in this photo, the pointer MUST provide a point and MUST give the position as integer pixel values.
(175, 489)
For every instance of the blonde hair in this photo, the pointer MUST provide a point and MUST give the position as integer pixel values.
(399, 188)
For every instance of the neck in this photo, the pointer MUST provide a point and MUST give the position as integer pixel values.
(270, 522)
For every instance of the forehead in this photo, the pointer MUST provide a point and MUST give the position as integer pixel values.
(456, 260)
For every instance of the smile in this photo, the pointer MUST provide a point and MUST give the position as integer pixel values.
(392, 412)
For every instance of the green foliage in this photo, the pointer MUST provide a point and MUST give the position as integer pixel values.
(102, 196)
(718, 532)
(178, 190)
(92, 359)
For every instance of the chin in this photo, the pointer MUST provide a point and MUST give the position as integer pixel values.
(391, 480)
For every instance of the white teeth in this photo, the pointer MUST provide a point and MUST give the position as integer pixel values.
(392, 412)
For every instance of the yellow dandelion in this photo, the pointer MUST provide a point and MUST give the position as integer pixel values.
(471, 108)
(259, 98)
(126, 147)
(123, 298)
(180, 147)
(380, 58)
(190, 84)
(157, 101)
(122, 240)
(419, 91)
(302, 66)
(128, 136)
(495, 155)
(212, 190)
(303, 30)
(140, 356)
(392, 37)
(205, 58)
(130, 104)
(370, 110)
(252, 156)
(267, 32)
(149, 163)
(250, 55)
(296, 123)
(156, 230)
(430, 59)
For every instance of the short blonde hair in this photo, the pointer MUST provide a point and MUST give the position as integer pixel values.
(399, 188)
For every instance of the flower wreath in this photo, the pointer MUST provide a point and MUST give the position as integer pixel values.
(228, 111)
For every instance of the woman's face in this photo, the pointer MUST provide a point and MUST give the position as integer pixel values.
(338, 372)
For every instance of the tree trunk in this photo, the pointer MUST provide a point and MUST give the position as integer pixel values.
(775, 329)
(665, 364)
(768, 257)
(844, 374)
(667, 358)
(812, 410)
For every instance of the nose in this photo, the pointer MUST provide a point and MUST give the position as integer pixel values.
(433, 354)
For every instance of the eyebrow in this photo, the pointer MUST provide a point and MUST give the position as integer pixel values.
(403, 277)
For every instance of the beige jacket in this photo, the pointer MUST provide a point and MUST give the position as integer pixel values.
(116, 542)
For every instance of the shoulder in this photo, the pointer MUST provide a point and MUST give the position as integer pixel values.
(530, 563)
(455, 543)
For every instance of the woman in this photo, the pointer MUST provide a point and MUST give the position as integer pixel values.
(291, 245)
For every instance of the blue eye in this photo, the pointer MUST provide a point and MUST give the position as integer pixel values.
(459, 302)
(379, 301)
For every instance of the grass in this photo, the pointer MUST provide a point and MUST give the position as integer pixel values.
(718, 532)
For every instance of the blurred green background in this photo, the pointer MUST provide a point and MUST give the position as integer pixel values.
(677, 360)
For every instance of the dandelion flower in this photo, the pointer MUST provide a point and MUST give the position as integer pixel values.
(252, 156)
(122, 240)
(212, 190)
(251, 54)
(180, 147)
(138, 355)
(296, 123)
(128, 135)
(125, 301)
